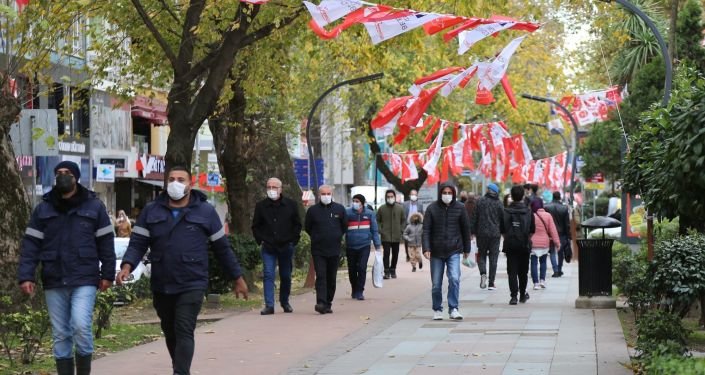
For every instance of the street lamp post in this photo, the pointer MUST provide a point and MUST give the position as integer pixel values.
(575, 134)
(311, 159)
(565, 144)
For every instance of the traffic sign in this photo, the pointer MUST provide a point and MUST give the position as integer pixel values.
(213, 179)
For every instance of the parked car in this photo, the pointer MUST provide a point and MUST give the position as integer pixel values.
(143, 269)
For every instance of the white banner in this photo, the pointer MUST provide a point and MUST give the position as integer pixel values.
(467, 39)
(387, 29)
(328, 11)
(490, 77)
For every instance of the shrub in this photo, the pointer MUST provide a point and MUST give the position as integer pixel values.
(104, 305)
(248, 254)
(666, 229)
(667, 365)
(25, 328)
(678, 275)
(302, 253)
(141, 288)
(630, 274)
(660, 334)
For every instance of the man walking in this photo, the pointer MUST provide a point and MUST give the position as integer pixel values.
(392, 222)
(362, 228)
(71, 235)
(561, 217)
(276, 225)
(411, 207)
(486, 221)
(517, 227)
(446, 235)
(326, 223)
(178, 227)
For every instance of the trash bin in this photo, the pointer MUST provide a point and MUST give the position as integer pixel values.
(595, 265)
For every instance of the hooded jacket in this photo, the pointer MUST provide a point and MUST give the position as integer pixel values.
(413, 233)
(487, 216)
(74, 243)
(391, 221)
(179, 246)
(446, 227)
(527, 223)
(362, 228)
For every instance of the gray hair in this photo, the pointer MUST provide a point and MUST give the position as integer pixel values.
(320, 188)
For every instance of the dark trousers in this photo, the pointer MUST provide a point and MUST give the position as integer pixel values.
(326, 270)
(357, 268)
(390, 248)
(517, 269)
(178, 313)
(558, 256)
(488, 249)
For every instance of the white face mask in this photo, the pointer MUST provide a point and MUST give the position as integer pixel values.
(390, 200)
(413, 198)
(176, 190)
(326, 199)
(356, 206)
(273, 194)
(447, 198)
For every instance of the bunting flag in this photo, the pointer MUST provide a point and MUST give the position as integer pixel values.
(467, 39)
(389, 28)
(443, 75)
(434, 154)
(592, 107)
(459, 80)
(409, 171)
(392, 109)
(555, 124)
(357, 16)
(329, 11)
(491, 74)
(414, 112)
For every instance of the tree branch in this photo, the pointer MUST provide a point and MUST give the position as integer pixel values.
(268, 29)
(188, 38)
(170, 11)
(157, 35)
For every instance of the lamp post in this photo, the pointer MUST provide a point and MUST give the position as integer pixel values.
(311, 159)
(575, 135)
(565, 144)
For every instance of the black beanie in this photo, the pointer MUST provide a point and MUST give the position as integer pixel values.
(71, 166)
(359, 197)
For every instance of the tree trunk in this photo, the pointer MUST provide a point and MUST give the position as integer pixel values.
(14, 203)
(182, 136)
(672, 31)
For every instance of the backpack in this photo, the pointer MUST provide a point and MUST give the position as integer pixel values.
(516, 236)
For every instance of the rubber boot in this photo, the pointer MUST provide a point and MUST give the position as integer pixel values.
(64, 366)
(83, 364)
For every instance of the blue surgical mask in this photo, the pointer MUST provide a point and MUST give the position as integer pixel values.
(356, 206)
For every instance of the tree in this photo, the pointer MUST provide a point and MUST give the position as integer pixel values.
(667, 154)
(602, 151)
(690, 34)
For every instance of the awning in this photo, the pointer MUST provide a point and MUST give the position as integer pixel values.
(157, 183)
(154, 117)
(150, 109)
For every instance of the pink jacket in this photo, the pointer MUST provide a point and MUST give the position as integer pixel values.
(540, 239)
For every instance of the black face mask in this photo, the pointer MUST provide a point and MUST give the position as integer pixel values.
(64, 183)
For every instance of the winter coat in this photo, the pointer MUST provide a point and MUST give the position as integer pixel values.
(362, 228)
(391, 221)
(276, 224)
(413, 233)
(561, 217)
(326, 224)
(487, 216)
(75, 246)
(446, 228)
(527, 222)
(545, 231)
(179, 246)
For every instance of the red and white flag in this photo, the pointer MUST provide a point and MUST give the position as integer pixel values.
(556, 124)
(491, 74)
(459, 80)
(329, 11)
(434, 153)
(467, 39)
(442, 75)
(382, 30)
(409, 171)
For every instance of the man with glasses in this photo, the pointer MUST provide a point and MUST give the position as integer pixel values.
(276, 226)
(70, 234)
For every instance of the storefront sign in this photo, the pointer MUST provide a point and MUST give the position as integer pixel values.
(105, 173)
(633, 217)
(151, 167)
(119, 163)
(72, 147)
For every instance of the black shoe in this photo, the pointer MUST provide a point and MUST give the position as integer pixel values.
(524, 298)
(386, 275)
(267, 310)
(64, 366)
(328, 310)
(83, 364)
(393, 274)
(321, 309)
(556, 274)
(360, 297)
(287, 308)
(413, 269)
(408, 259)
(560, 273)
(513, 301)
(420, 264)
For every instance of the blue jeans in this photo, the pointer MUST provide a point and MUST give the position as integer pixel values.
(270, 257)
(71, 314)
(452, 268)
(534, 271)
(558, 256)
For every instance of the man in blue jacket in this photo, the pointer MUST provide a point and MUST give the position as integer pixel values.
(362, 228)
(326, 223)
(70, 234)
(179, 227)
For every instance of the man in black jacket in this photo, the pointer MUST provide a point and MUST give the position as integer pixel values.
(486, 218)
(517, 227)
(276, 226)
(446, 234)
(326, 223)
(561, 217)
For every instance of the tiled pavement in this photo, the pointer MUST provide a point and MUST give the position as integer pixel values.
(392, 333)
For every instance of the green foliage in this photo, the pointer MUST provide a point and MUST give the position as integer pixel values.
(666, 229)
(630, 273)
(22, 331)
(601, 205)
(141, 288)
(105, 303)
(660, 334)
(667, 365)
(302, 253)
(647, 87)
(601, 151)
(248, 254)
(689, 28)
(678, 276)
(667, 154)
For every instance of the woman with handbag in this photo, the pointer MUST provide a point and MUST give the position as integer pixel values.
(545, 233)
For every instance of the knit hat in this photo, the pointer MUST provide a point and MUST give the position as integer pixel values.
(493, 187)
(71, 166)
(359, 197)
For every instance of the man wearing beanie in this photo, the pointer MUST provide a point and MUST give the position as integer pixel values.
(362, 228)
(71, 236)
(485, 225)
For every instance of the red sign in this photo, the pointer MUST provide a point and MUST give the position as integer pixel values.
(597, 178)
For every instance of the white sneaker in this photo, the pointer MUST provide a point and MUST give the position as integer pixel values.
(455, 315)
(483, 281)
(491, 287)
(536, 287)
(542, 284)
(438, 315)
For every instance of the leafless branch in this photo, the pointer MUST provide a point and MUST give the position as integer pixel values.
(157, 35)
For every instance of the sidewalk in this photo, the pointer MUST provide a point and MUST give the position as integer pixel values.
(391, 332)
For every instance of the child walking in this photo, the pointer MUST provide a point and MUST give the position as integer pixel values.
(412, 234)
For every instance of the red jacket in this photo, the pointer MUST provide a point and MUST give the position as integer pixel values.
(545, 231)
